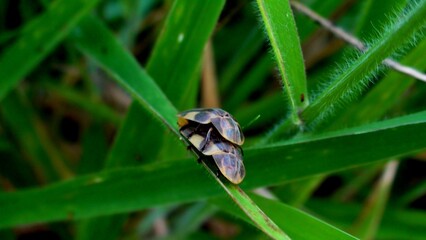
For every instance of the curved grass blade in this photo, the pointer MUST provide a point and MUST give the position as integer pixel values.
(281, 29)
(290, 219)
(262, 221)
(246, 204)
(396, 223)
(127, 71)
(167, 183)
(39, 38)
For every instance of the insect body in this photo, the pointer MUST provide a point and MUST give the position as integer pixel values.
(209, 141)
(221, 120)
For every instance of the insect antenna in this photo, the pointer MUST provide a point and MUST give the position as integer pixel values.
(252, 121)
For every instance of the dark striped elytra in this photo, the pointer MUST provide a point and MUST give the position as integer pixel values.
(221, 120)
(207, 140)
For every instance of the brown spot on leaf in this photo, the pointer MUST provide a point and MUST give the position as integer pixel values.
(70, 215)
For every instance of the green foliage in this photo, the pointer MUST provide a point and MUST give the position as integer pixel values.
(38, 38)
(281, 29)
(89, 140)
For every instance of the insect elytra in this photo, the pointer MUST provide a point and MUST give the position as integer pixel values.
(214, 132)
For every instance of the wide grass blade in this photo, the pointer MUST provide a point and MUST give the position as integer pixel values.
(172, 182)
(281, 29)
(38, 39)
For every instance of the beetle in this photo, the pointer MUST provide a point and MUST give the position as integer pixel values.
(220, 119)
(226, 155)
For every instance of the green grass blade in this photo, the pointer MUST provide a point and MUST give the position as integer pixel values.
(256, 215)
(185, 44)
(371, 15)
(94, 149)
(39, 39)
(396, 223)
(356, 183)
(192, 218)
(46, 161)
(375, 13)
(115, 59)
(250, 83)
(173, 182)
(124, 68)
(412, 194)
(289, 219)
(370, 217)
(136, 11)
(281, 29)
(247, 50)
(305, 26)
(99, 110)
(177, 54)
(351, 80)
(384, 95)
(295, 193)
(174, 65)
(269, 108)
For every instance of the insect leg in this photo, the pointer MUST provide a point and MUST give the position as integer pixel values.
(206, 140)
